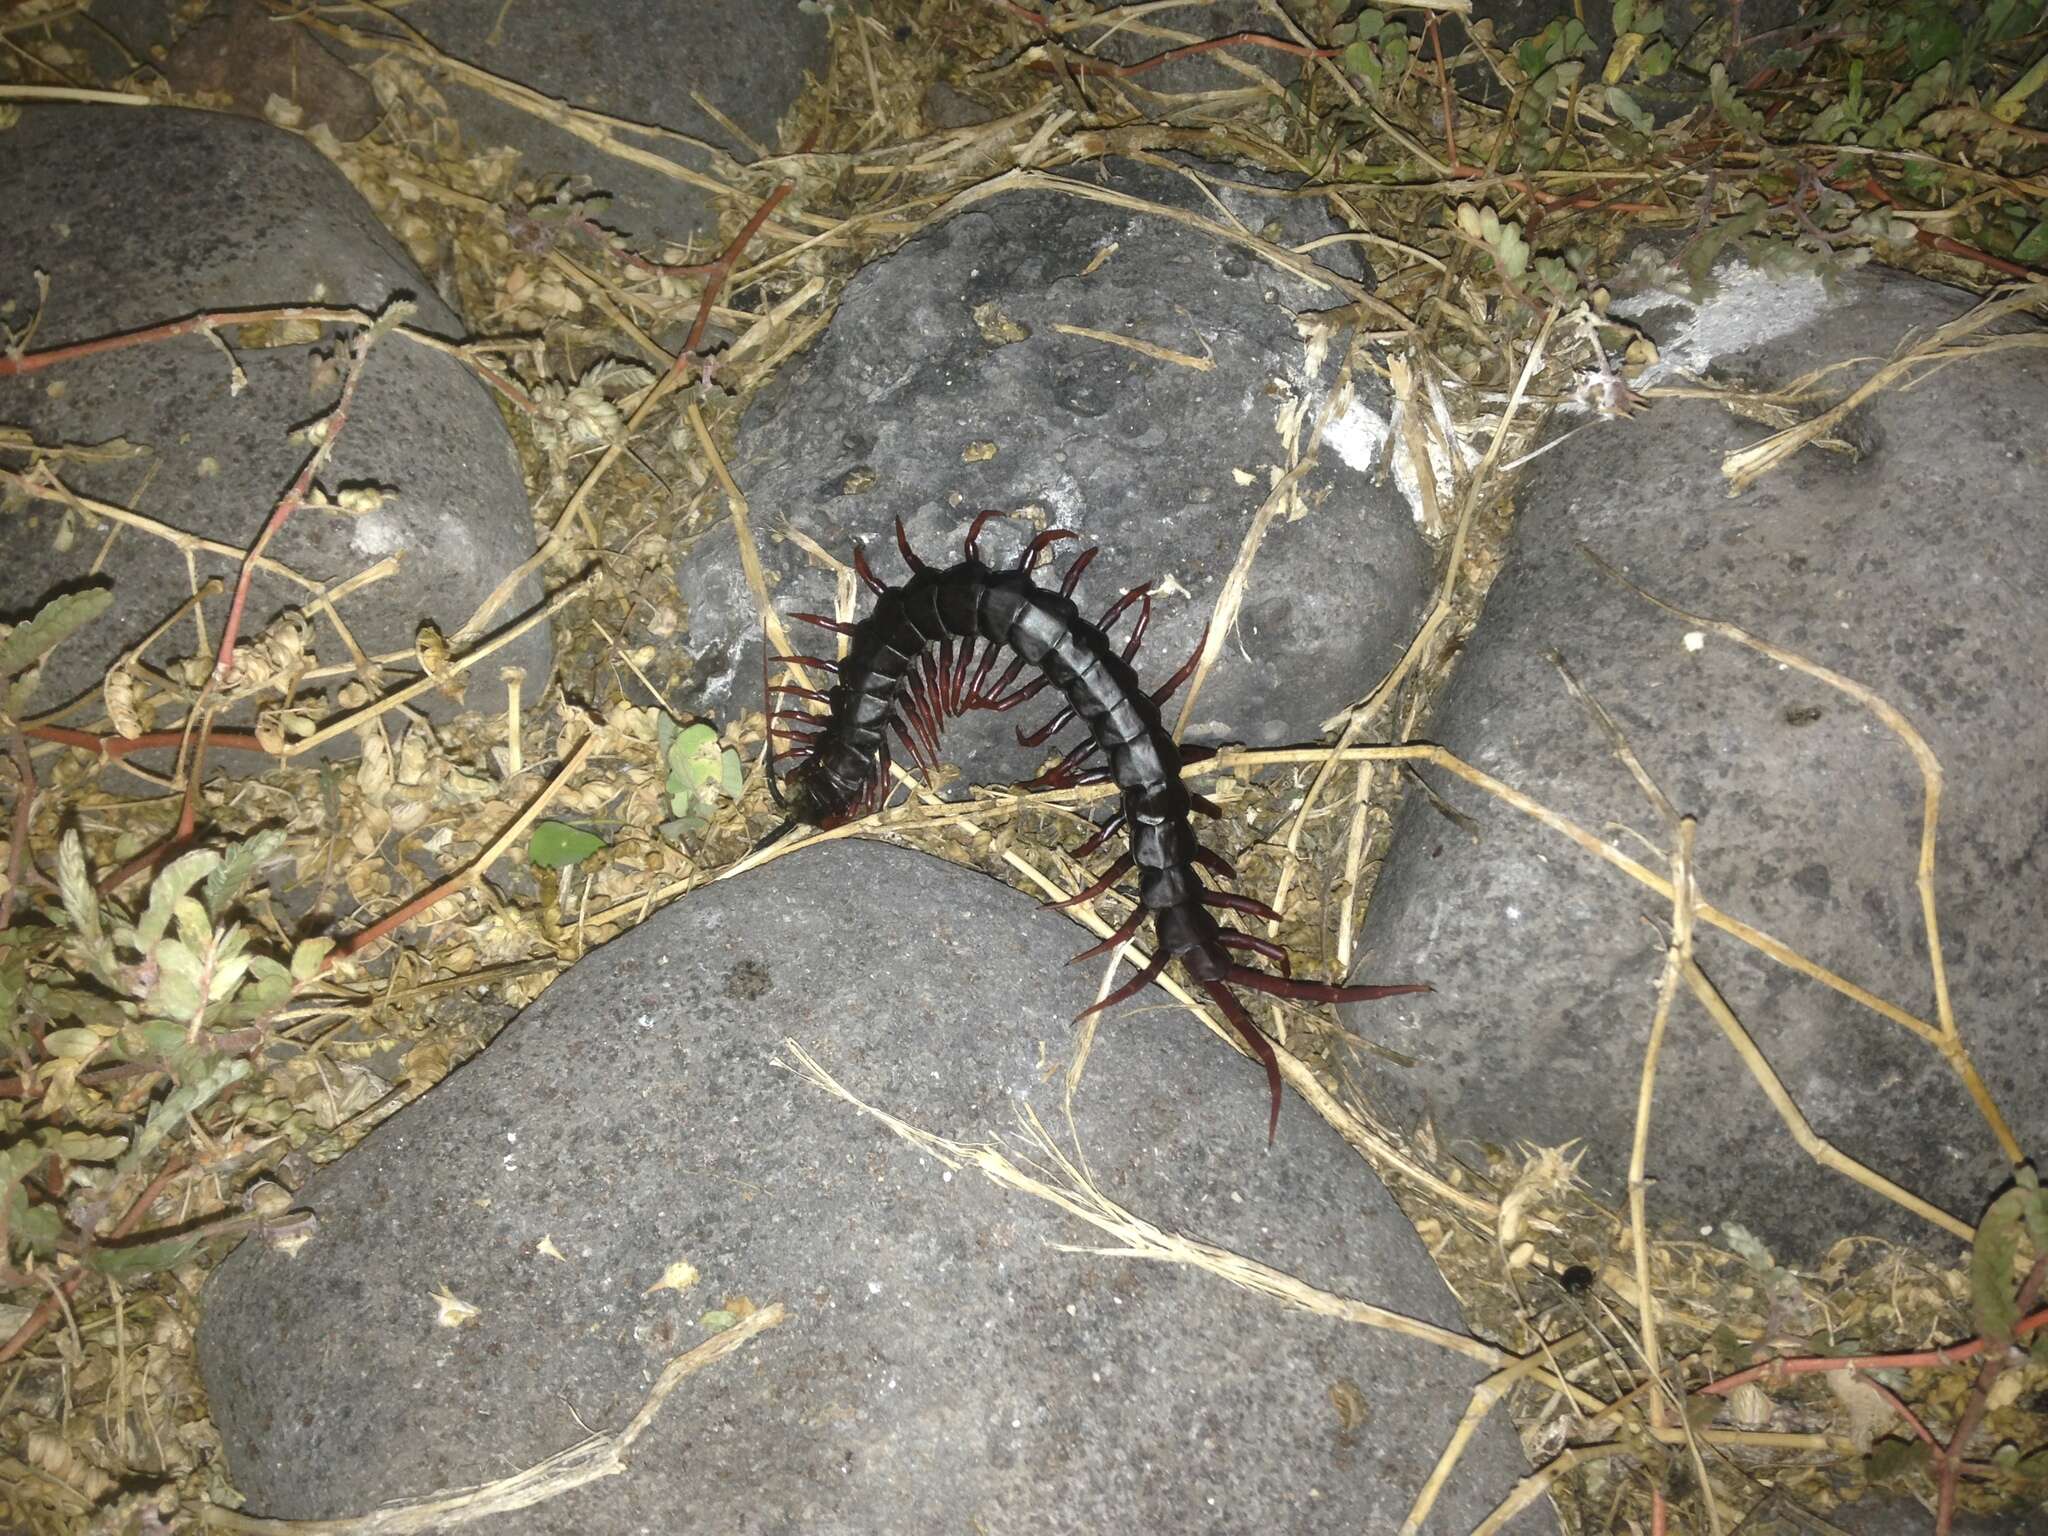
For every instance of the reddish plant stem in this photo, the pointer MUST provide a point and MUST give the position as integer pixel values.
(1995, 1361)
(224, 664)
(148, 741)
(1443, 82)
(1082, 64)
(716, 273)
(216, 319)
(24, 812)
(1909, 1360)
(51, 1306)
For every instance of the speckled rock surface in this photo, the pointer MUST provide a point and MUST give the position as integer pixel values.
(1918, 567)
(641, 60)
(242, 215)
(943, 1367)
(945, 385)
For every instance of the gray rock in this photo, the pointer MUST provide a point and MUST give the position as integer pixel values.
(642, 60)
(1917, 568)
(1121, 42)
(943, 1367)
(146, 216)
(949, 348)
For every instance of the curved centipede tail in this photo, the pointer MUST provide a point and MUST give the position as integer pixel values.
(1255, 1039)
(776, 836)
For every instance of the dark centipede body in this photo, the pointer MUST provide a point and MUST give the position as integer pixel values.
(912, 663)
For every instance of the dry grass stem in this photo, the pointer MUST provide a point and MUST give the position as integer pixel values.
(588, 1461)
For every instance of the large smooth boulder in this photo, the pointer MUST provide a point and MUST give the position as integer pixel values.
(956, 376)
(944, 1366)
(1916, 564)
(238, 215)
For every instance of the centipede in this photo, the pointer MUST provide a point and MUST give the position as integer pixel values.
(927, 652)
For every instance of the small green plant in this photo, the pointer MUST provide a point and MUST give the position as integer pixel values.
(170, 990)
(702, 773)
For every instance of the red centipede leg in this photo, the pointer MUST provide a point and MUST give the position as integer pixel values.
(1205, 805)
(1045, 732)
(800, 693)
(1266, 949)
(1116, 872)
(1130, 988)
(920, 725)
(1073, 577)
(1030, 690)
(910, 744)
(903, 547)
(1065, 774)
(985, 697)
(806, 661)
(1214, 862)
(1102, 835)
(1171, 686)
(972, 547)
(1251, 906)
(1039, 545)
(939, 676)
(1254, 1039)
(1115, 610)
(798, 716)
(1318, 991)
(822, 622)
(864, 571)
(1138, 629)
(956, 685)
(1122, 936)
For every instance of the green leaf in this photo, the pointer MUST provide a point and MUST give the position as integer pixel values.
(2033, 246)
(557, 845)
(74, 885)
(55, 620)
(238, 867)
(1896, 1461)
(178, 877)
(1991, 1264)
(35, 1227)
(84, 1147)
(1623, 106)
(310, 954)
(72, 1044)
(127, 1261)
(175, 994)
(1735, 112)
(195, 1093)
